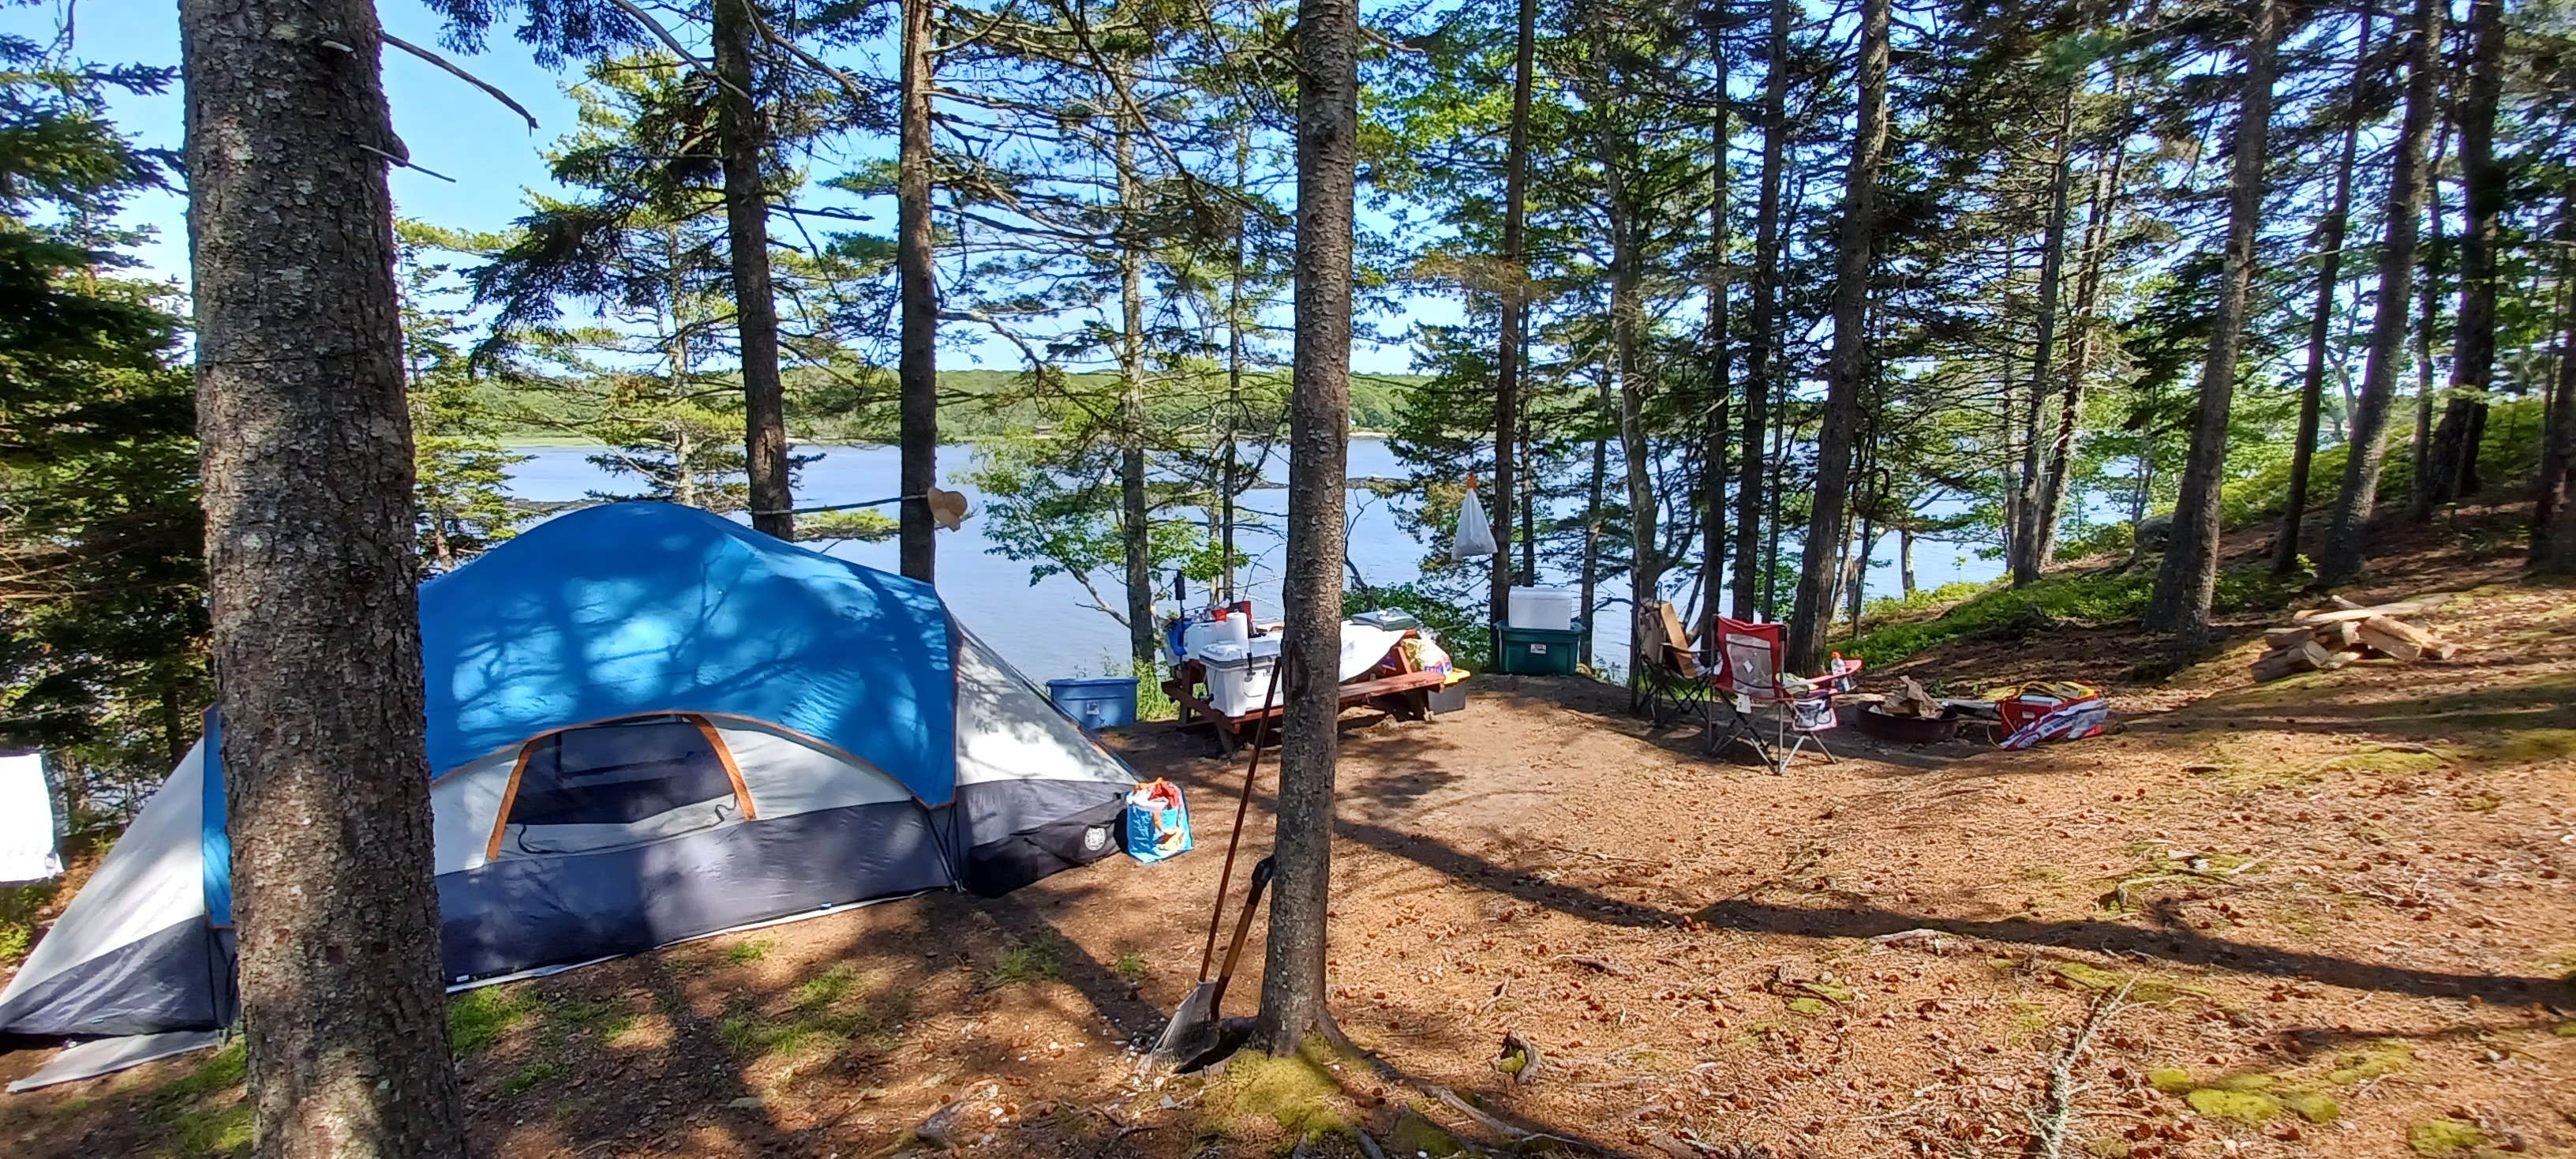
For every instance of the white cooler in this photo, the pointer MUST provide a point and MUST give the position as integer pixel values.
(1546, 609)
(1238, 674)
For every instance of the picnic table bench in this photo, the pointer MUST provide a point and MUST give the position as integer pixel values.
(1394, 685)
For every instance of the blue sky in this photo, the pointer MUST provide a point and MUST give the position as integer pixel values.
(450, 128)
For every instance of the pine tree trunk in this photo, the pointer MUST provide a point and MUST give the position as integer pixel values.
(1721, 369)
(2179, 606)
(2052, 267)
(1590, 578)
(1850, 359)
(917, 365)
(741, 139)
(1134, 517)
(1613, 140)
(1507, 359)
(1751, 587)
(2330, 235)
(1292, 983)
(1905, 559)
(2059, 476)
(2452, 463)
(2419, 506)
(310, 557)
(2344, 552)
(2553, 510)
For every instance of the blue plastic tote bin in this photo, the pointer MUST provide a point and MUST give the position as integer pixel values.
(1096, 702)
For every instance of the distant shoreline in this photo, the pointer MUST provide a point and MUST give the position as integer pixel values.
(574, 442)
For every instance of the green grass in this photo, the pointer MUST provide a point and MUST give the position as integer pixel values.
(199, 1113)
(746, 953)
(1130, 966)
(1031, 961)
(480, 1017)
(828, 1012)
(2087, 599)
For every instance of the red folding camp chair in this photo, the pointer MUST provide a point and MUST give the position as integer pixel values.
(1778, 714)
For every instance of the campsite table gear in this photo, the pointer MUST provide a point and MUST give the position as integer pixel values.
(1235, 670)
(1545, 609)
(1096, 702)
(2052, 710)
(1537, 651)
(1196, 1011)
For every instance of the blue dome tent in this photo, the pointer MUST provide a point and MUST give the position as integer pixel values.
(646, 723)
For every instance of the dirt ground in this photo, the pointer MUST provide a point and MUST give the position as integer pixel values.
(2328, 916)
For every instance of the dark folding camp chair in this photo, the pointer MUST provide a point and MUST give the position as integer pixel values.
(1778, 714)
(1670, 682)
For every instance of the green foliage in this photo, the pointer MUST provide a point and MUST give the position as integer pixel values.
(865, 524)
(2087, 599)
(102, 600)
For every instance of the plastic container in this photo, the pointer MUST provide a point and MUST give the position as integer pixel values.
(1198, 635)
(1450, 697)
(1238, 674)
(1542, 609)
(1096, 702)
(1391, 619)
(1537, 651)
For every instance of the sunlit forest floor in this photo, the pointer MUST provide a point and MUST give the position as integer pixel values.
(2330, 915)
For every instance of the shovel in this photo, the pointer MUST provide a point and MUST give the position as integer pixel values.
(1196, 1017)
(1193, 1031)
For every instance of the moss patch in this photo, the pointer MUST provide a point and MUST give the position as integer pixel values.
(1415, 1135)
(1811, 1007)
(2444, 1137)
(2248, 1107)
(480, 1017)
(2141, 987)
(1298, 1092)
(2530, 746)
(2171, 1080)
(2313, 1107)
(203, 1112)
(2384, 1057)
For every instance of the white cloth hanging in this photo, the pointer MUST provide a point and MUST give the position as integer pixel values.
(1475, 533)
(26, 820)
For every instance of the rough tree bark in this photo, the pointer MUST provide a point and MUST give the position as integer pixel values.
(2450, 466)
(309, 558)
(741, 139)
(917, 359)
(2179, 605)
(1614, 140)
(1292, 983)
(2052, 275)
(1135, 531)
(2553, 510)
(1850, 361)
(2059, 475)
(1720, 359)
(2330, 234)
(1750, 593)
(2343, 554)
(2419, 506)
(1507, 360)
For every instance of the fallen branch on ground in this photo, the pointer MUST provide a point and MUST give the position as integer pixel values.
(2050, 1124)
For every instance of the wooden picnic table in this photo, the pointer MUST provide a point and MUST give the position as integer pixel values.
(1394, 685)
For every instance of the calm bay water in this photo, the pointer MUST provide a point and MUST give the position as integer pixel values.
(1048, 627)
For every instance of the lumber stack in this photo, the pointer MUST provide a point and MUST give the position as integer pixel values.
(2325, 638)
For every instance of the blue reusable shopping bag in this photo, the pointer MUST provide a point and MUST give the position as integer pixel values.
(1158, 821)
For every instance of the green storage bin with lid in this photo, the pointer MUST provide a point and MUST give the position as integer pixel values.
(1537, 651)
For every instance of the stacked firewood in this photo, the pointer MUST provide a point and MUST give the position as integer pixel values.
(2326, 638)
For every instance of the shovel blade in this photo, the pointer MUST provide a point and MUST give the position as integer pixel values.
(1192, 1028)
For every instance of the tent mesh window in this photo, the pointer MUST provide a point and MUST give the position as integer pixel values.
(610, 785)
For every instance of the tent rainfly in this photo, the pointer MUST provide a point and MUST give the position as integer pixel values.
(646, 724)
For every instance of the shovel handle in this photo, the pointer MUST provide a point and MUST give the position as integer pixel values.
(1242, 805)
(1242, 925)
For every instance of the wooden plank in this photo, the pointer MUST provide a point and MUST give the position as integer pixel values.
(2306, 657)
(2338, 635)
(2290, 637)
(2395, 639)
